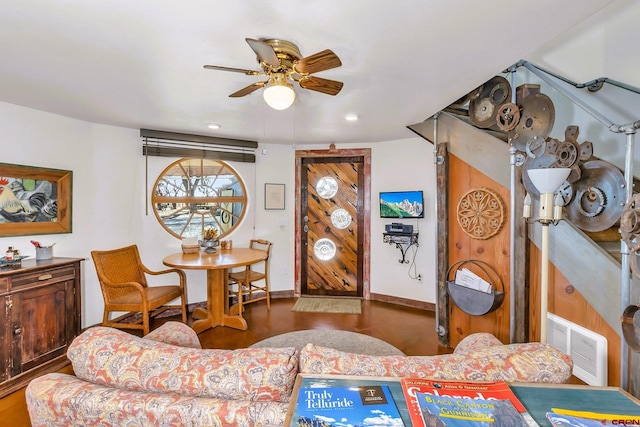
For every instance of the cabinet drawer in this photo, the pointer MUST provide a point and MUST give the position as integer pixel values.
(43, 276)
(4, 284)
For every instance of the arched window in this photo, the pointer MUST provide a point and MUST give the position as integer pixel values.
(193, 194)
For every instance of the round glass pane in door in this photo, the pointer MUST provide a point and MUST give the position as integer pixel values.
(324, 249)
(327, 187)
(340, 218)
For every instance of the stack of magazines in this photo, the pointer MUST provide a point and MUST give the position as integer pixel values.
(463, 404)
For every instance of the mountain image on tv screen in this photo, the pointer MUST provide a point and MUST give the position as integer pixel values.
(401, 204)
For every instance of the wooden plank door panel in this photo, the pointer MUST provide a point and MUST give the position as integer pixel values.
(340, 274)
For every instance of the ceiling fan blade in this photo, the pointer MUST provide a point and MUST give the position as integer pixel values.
(330, 87)
(235, 70)
(247, 90)
(264, 51)
(320, 61)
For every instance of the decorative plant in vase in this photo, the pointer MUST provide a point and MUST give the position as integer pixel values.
(210, 239)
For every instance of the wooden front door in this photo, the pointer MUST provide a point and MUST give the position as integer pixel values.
(332, 223)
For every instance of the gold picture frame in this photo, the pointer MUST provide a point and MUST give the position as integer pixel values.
(35, 201)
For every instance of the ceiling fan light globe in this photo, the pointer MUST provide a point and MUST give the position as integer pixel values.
(279, 97)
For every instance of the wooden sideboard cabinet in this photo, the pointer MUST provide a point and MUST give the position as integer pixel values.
(41, 315)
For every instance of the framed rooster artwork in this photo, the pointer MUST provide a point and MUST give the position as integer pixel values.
(34, 200)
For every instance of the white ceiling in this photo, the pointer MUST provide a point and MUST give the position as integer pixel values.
(139, 63)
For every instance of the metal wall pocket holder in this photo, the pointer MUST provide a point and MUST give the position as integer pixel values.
(473, 301)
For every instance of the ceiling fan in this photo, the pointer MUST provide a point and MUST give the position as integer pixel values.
(282, 62)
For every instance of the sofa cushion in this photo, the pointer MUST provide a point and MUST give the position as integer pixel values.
(528, 362)
(475, 342)
(118, 359)
(175, 333)
(56, 400)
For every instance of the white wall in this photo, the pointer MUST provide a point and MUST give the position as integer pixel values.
(398, 166)
(109, 208)
(587, 52)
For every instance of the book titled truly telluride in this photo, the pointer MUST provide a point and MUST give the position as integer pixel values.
(496, 390)
(442, 411)
(370, 405)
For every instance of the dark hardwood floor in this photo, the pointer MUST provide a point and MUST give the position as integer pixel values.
(409, 329)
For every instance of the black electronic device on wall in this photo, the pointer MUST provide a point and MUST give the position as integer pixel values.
(398, 227)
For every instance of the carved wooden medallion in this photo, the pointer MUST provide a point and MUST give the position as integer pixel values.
(481, 213)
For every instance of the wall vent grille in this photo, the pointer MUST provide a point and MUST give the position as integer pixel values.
(587, 349)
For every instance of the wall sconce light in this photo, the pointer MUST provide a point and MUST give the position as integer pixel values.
(279, 94)
(547, 181)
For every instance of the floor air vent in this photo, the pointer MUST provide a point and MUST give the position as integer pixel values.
(587, 348)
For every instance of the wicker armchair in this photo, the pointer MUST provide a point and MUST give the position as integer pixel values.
(244, 283)
(124, 286)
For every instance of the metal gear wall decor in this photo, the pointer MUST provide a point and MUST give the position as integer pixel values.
(481, 213)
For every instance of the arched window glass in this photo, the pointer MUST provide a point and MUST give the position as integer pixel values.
(193, 194)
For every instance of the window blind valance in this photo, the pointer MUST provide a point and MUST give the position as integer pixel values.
(173, 144)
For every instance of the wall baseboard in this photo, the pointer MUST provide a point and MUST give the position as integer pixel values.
(423, 305)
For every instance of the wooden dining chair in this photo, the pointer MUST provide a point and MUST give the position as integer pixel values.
(123, 280)
(253, 278)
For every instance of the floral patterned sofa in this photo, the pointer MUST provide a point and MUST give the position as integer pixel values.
(166, 379)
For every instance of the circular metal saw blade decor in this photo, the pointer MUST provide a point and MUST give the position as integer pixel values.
(630, 223)
(569, 152)
(481, 213)
(566, 194)
(483, 109)
(537, 115)
(599, 197)
(630, 230)
(508, 116)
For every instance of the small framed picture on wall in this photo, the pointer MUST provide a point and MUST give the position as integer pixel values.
(273, 196)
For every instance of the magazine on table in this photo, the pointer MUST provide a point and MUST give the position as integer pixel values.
(570, 418)
(464, 412)
(340, 406)
(496, 390)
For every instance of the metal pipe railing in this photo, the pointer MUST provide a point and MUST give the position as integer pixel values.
(592, 85)
(625, 283)
(513, 228)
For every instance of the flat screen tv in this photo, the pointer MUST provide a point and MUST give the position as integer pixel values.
(401, 204)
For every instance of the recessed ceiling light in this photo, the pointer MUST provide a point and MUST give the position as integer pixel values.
(351, 117)
(213, 126)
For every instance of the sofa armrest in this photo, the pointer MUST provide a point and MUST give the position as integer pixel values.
(175, 333)
(60, 400)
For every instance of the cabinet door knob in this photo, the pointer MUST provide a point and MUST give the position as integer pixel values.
(17, 331)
